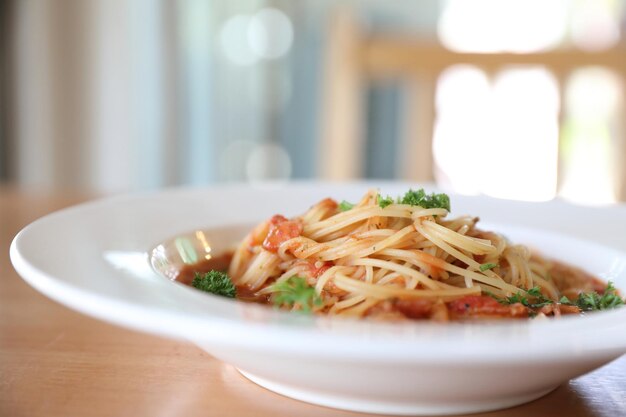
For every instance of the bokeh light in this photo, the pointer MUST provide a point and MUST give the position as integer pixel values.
(490, 26)
(595, 24)
(594, 105)
(266, 34)
(234, 40)
(462, 105)
(268, 161)
(270, 33)
(499, 138)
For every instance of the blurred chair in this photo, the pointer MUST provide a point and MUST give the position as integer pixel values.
(356, 57)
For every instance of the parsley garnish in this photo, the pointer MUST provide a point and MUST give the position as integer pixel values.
(420, 198)
(532, 298)
(345, 206)
(565, 300)
(593, 301)
(295, 292)
(485, 267)
(411, 197)
(384, 202)
(216, 282)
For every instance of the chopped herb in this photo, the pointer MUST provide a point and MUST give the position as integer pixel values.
(485, 267)
(420, 198)
(295, 292)
(532, 298)
(216, 282)
(384, 202)
(593, 301)
(535, 292)
(345, 206)
(515, 298)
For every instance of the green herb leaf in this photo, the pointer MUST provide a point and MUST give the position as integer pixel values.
(420, 198)
(384, 202)
(515, 298)
(345, 206)
(532, 298)
(216, 282)
(485, 267)
(593, 301)
(295, 292)
(535, 292)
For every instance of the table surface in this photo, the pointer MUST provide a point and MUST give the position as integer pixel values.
(56, 362)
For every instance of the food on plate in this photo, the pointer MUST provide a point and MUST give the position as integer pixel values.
(396, 259)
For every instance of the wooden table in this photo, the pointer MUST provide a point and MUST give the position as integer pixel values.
(55, 362)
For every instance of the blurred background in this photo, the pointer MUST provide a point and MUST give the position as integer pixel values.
(520, 99)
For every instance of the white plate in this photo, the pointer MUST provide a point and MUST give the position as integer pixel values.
(95, 258)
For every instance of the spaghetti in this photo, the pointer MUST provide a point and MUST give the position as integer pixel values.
(397, 259)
